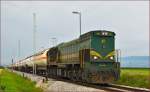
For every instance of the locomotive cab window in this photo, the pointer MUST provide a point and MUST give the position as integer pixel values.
(103, 42)
(103, 46)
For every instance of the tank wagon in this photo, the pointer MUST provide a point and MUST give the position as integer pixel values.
(36, 63)
(91, 58)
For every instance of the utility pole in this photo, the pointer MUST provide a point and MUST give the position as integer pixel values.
(34, 33)
(34, 40)
(12, 61)
(19, 48)
(54, 41)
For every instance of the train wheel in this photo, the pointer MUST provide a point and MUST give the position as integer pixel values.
(73, 78)
(83, 77)
(77, 76)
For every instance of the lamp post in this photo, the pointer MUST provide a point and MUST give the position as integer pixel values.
(19, 48)
(79, 13)
(54, 41)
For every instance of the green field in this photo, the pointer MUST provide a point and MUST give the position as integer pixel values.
(0, 71)
(136, 77)
(10, 82)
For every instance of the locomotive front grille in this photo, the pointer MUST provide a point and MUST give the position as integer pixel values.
(102, 77)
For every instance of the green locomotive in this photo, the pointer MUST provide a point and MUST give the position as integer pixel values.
(90, 58)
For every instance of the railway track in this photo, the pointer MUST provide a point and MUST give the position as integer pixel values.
(120, 88)
(107, 88)
(114, 87)
(128, 88)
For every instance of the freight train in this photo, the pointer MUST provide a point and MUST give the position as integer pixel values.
(91, 58)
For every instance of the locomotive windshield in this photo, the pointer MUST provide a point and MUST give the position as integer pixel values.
(102, 44)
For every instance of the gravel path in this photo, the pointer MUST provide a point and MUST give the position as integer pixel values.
(53, 85)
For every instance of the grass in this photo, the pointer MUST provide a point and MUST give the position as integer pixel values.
(136, 77)
(11, 82)
(0, 71)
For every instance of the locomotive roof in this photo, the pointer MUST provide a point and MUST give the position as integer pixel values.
(95, 31)
(83, 36)
(68, 43)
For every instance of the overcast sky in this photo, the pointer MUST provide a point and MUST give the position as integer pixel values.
(128, 19)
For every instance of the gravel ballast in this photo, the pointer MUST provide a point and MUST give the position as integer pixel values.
(53, 85)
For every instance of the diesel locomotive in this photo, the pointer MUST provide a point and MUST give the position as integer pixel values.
(91, 58)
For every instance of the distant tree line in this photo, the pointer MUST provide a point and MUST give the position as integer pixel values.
(1, 67)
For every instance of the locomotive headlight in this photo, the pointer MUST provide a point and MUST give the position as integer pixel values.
(95, 57)
(103, 33)
(106, 33)
(111, 57)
